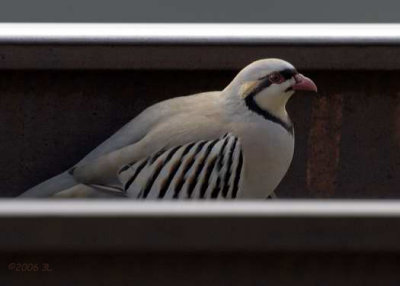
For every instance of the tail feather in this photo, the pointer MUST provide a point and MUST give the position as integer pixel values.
(50, 187)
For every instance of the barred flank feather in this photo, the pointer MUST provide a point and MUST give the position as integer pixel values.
(198, 170)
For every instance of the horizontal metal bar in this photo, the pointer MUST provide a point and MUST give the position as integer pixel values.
(126, 208)
(271, 226)
(198, 46)
(298, 34)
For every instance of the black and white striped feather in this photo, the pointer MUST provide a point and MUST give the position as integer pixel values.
(198, 170)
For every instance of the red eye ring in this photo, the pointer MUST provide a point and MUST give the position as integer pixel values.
(275, 77)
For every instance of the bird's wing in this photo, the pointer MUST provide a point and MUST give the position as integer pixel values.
(141, 125)
(199, 169)
(178, 130)
(131, 136)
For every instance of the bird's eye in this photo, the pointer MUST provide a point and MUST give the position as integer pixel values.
(276, 77)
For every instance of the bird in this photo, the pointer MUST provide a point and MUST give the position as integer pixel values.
(237, 143)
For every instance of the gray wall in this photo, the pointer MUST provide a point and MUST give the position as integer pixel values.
(199, 11)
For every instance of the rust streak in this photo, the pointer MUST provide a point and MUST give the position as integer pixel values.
(324, 145)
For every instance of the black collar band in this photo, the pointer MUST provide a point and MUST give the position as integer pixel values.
(253, 106)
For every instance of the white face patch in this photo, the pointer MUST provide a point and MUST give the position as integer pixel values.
(274, 103)
(274, 98)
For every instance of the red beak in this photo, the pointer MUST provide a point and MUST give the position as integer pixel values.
(304, 83)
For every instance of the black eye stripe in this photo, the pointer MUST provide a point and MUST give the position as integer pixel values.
(265, 82)
(286, 74)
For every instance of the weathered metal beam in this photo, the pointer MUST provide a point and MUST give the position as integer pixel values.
(323, 146)
(198, 46)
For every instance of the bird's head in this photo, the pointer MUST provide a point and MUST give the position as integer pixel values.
(267, 85)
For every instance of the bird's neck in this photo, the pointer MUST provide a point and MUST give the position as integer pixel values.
(271, 108)
(235, 104)
(277, 115)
